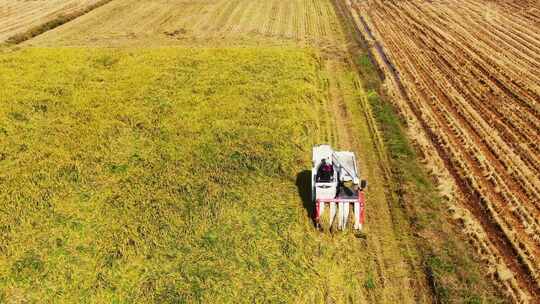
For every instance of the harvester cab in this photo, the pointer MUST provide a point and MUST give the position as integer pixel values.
(336, 186)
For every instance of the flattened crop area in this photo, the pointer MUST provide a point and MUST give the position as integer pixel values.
(128, 22)
(19, 16)
(467, 73)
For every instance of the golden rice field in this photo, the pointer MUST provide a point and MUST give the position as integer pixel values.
(127, 190)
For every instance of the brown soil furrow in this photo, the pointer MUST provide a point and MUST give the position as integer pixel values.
(486, 33)
(495, 236)
(506, 80)
(470, 115)
(478, 236)
(469, 119)
(523, 37)
(525, 60)
(524, 28)
(524, 126)
(511, 78)
(531, 190)
(528, 122)
(441, 95)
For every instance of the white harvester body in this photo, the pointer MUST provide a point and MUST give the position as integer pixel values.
(336, 184)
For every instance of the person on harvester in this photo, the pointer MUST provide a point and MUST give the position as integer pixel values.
(325, 172)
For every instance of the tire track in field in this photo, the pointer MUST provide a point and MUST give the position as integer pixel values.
(390, 268)
(393, 262)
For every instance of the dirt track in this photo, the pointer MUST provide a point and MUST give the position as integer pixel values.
(467, 77)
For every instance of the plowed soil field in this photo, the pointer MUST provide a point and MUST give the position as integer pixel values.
(466, 74)
(19, 16)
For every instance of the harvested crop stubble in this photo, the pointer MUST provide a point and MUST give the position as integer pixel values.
(467, 71)
(173, 22)
(19, 16)
(149, 176)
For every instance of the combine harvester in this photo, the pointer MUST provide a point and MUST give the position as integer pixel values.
(336, 185)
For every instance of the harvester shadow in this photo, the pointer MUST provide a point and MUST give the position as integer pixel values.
(303, 185)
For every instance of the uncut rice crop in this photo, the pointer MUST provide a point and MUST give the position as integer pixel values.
(165, 175)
